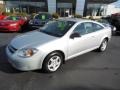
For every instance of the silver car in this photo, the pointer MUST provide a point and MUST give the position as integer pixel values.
(55, 43)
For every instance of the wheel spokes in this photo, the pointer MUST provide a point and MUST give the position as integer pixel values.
(104, 45)
(54, 63)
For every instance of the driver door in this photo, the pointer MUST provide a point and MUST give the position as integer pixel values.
(81, 44)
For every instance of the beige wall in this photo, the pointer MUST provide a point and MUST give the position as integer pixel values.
(1, 2)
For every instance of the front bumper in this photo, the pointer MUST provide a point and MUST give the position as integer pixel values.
(4, 28)
(23, 64)
(8, 28)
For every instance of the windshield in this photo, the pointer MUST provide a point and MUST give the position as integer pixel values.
(43, 16)
(12, 18)
(57, 28)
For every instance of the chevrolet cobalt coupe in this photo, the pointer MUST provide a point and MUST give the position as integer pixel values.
(56, 42)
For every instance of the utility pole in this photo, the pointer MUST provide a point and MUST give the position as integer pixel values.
(20, 6)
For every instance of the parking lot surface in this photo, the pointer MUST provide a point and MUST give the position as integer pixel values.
(91, 71)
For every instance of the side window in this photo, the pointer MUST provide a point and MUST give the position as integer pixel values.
(89, 27)
(80, 29)
(97, 27)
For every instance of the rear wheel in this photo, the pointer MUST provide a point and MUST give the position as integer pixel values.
(52, 62)
(103, 45)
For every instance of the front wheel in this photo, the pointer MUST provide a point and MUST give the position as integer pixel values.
(103, 45)
(52, 62)
(20, 29)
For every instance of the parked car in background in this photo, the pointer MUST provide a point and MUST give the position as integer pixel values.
(106, 23)
(116, 21)
(40, 19)
(12, 23)
(2, 16)
(48, 47)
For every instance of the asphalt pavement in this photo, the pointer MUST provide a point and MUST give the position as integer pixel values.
(91, 71)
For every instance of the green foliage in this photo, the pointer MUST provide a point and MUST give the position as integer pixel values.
(55, 15)
(77, 16)
(91, 17)
(8, 14)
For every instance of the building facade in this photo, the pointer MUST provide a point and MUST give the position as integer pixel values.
(1, 6)
(62, 7)
(113, 8)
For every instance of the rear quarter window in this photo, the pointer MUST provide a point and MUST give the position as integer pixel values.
(97, 27)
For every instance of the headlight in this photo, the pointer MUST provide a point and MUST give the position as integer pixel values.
(27, 52)
(14, 24)
(114, 28)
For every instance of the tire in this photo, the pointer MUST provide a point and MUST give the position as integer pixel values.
(20, 29)
(103, 45)
(52, 62)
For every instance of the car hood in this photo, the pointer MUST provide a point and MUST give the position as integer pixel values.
(7, 21)
(31, 39)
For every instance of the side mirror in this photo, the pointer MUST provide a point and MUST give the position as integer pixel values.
(74, 35)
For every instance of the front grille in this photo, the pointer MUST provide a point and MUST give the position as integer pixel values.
(3, 29)
(12, 49)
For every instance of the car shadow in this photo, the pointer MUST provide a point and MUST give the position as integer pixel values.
(75, 63)
(117, 34)
(4, 64)
(96, 87)
(6, 67)
(6, 32)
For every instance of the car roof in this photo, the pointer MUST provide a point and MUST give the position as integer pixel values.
(75, 19)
